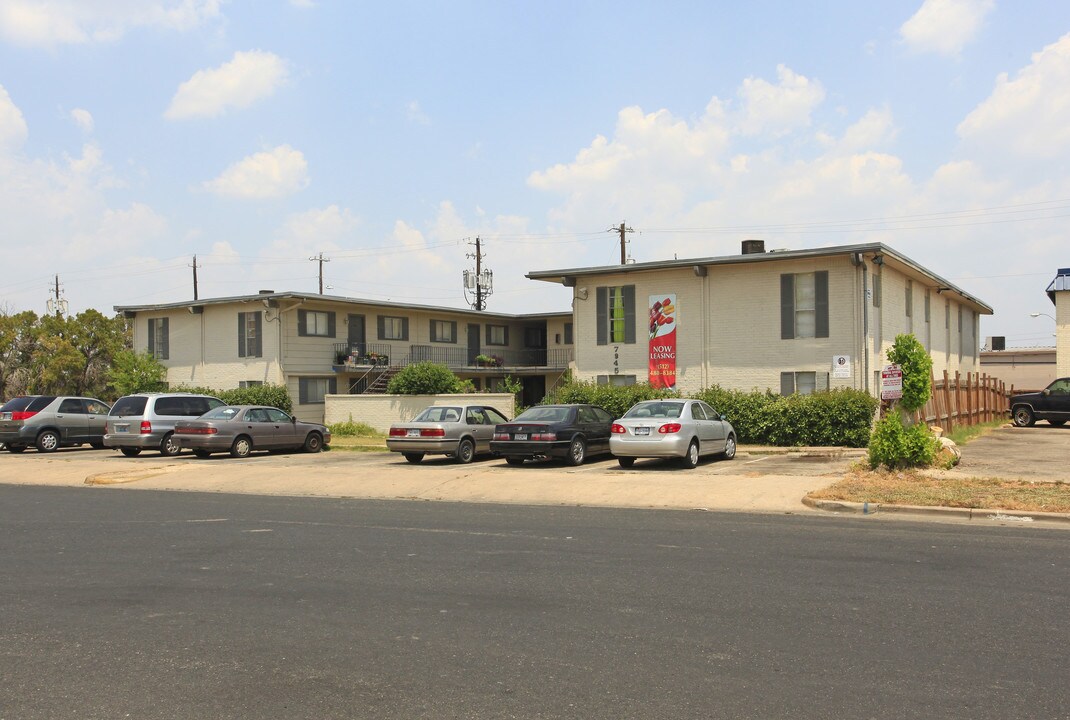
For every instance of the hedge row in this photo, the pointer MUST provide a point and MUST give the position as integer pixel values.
(834, 418)
(273, 395)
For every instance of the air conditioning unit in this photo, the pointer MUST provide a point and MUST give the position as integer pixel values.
(997, 342)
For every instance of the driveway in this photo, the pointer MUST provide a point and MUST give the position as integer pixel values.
(1041, 452)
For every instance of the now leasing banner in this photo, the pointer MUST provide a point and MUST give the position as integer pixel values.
(663, 341)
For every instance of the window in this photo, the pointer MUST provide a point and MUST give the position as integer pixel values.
(697, 412)
(443, 331)
(250, 383)
(804, 305)
(250, 340)
(616, 380)
(315, 323)
(497, 335)
(803, 383)
(94, 407)
(276, 416)
(72, 406)
(311, 390)
(615, 308)
(568, 333)
(535, 337)
(393, 328)
(158, 339)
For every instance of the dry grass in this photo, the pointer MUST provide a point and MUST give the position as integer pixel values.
(358, 443)
(914, 488)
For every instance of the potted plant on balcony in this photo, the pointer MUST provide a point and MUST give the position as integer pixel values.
(484, 360)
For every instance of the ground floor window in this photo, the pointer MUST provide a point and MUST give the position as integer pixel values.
(313, 389)
(803, 383)
(616, 380)
(250, 383)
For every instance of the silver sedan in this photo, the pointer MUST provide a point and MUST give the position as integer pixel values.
(459, 431)
(240, 429)
(684, 429)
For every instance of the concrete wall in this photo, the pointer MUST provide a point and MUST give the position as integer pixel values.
(1062, 332)
(382, 411)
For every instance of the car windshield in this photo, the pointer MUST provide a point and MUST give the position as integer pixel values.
(439, 414)
(655, 410)
(543, 414)
(225, 412)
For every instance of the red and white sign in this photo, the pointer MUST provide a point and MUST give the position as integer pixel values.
(662, 370)
(891, 382)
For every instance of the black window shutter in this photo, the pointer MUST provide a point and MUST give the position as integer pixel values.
(330, 324)
(332, 386)
(453, 331)
(241, 334)
(487, 332)
(380, 323)
(787, 383)
(431, 331)
(259, 334)
(404, 328)
(821, 304)
(152, 336)
(302, 323)
(302, 392)
(602, 315)
(164, 355)
(568, 333)
(787, 307)
(629, 314)
(506, 334)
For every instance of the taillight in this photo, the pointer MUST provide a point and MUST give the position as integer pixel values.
(500, 436)
(196, 431)
(432, 432)
(23, 414)
(398, 432)
(146, 427)
(543, 437)
(617, 429)
(669, 428)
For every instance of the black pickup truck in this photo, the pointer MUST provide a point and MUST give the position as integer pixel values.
(1051, 404)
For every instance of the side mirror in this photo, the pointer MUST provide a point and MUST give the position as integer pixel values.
(1045, 391)
(293, 419)
(724, 417)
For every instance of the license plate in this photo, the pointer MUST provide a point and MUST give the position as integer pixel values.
(5, 416)
(121, 428)
(412, 432)
(520, 436)
(642, 431)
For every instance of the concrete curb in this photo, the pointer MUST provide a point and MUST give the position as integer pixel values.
(843, 506)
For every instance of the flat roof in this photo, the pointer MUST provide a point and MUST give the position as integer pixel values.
(887, 254)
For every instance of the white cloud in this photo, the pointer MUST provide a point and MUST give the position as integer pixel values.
(945, 26)
(416, 114)
(13, 130)
(83, 119)
(279, 172)
(303, 3)
(48, 23)
(778, 109)
(248, 77)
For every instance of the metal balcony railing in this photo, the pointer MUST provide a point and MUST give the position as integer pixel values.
(365, 355)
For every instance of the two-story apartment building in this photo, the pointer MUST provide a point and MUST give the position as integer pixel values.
(788, 321)
(318, 345)
(1059, 293)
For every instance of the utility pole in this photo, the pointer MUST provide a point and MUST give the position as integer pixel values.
(321, 260)
(194, 277)
(623, 243)
(56, 303)
(481, 282)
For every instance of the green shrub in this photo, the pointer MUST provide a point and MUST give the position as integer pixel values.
(614, 399)
(424, 378)
(917, 367)
(895, 446)
(348, 428)
(273, 395)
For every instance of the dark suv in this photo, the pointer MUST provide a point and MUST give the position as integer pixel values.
(49, 422)
(1051, 404)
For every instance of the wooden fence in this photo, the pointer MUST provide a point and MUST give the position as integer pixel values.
(964, 401)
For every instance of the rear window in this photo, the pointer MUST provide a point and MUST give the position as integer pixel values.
(30, 404)
(131, 405)
(185, 405)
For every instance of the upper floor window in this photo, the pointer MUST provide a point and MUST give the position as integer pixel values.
(615, 308)
(568, 333)
(315, 323)
(250, 331)
(804, 305)
(393, 328)
(497, 334)
(535, 337)
(158, 338)
(443, 331)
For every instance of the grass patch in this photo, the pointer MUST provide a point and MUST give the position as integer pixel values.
(908, 487)
(962, 435)
(358, 443)
(354, 429)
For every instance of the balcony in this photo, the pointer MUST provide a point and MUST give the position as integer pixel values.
(362, 356)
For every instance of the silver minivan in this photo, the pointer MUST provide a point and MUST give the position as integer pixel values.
(147, 420)
(48, 422)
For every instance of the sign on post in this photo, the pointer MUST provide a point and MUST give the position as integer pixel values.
(891, 382)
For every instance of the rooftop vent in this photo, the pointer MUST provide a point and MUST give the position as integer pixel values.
(753, 247)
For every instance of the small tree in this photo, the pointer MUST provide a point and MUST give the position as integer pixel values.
(424, 378)
(897, 442)
(133, 372)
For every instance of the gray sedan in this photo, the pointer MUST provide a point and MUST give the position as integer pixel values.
(240, 429)
(459, 431)
(684, 429)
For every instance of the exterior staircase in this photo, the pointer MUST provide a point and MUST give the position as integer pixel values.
(378, 385)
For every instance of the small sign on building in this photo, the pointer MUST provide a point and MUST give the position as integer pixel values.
(891, 382)
(841, 366)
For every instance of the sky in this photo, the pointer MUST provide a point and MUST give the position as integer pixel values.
(136, 135)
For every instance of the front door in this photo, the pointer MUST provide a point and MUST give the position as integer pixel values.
(356, 335)
(473, 342)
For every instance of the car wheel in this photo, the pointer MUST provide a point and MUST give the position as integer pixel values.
(1057, 423)
(1023, 416)
(168, 446)
(47, 441)
(130, 452)
(15, 448)
(466, 450)
(626, 462)
(414, 458)
(242, 447)
(577, 452)
(313, 443)
(690, 460)
(514, 460)
(729, 448)
(202, 453)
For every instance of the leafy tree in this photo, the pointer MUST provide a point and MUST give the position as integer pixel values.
(18, 339)
(133, 372)
(917, 367)
(897, 442)
(424, 378)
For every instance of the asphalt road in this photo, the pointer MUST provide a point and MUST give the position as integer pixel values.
(189, 605)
